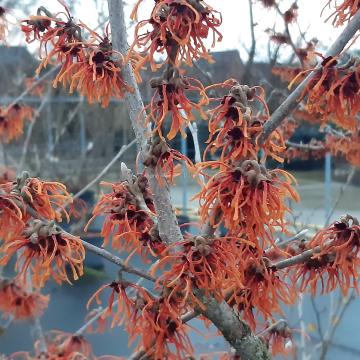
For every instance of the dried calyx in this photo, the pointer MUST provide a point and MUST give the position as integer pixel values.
(347, 220)
(20, 187)
(158, 148)
(40, 230)
(171, 78)
(253, 172)
(202, 244)
(258, 269)
(137, 187)
(240, 96)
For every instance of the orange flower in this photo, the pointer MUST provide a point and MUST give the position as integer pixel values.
(63, 346)
(69, 346)
(51, 29)
(323, 272)
(47, 198)
(127, 221)
(46, 252)
(163, 335)
(247, 197)
(98, 75)
(172, 98)
(263, 290)
(125, 307)
(162, 158)
(159, 330)
(332, 93)
(347, 145)
(178, 28)
(12, 218)
(343, 11)
(90, 67)
(339, 247)
(234, 126)
(18, 302)
(198, 263)
(35, 26)
(12, 121)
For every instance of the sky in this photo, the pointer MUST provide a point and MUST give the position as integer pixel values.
(236, 20)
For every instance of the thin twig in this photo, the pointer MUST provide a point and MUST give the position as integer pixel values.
(120, 153)
(68, 121)
(317, 317)
(115, 260)
(38, 81)
(252, 51)
(297, 259)
(341, 193)
(38, 335)
(331, 331)
(30, 130)
(302, 146)
(194, 133)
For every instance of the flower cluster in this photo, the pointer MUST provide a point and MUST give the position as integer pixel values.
(12, 121)
(199, 262)
(278, 337)
(315, 149)
(235, 126)
(262, 290)
(156, 321)
(247, 198)
(333, 93)
(21, 304)
(47, 199)
(344, 10)
(268, 3)
(63, 346)
(163, 160)
(129, 213)
(177, 28)
(336, 258)
(347, 145)
(6, 175)
(172, 98)
(91, 66)
(290, 15)
(29, 207)
(44, 251)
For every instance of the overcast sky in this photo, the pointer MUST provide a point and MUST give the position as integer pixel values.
(235, 26)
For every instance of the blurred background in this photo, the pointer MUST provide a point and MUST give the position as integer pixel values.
(72, 141)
